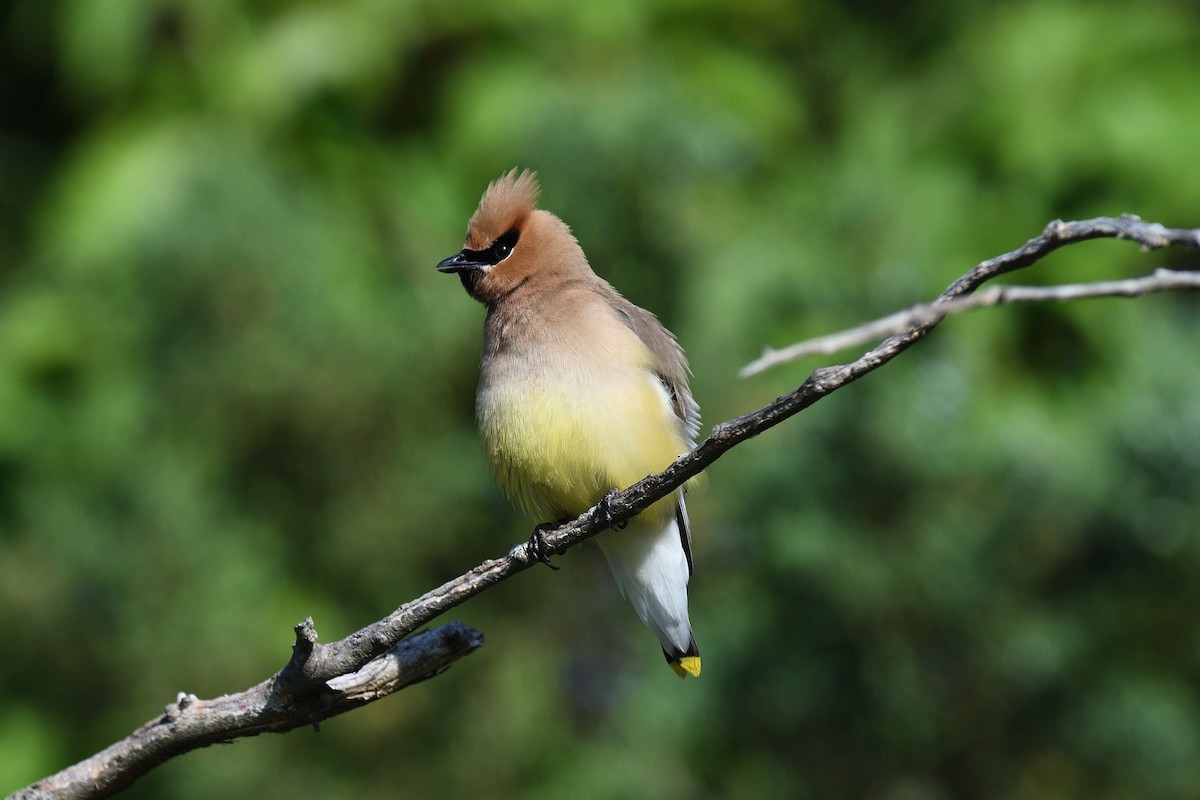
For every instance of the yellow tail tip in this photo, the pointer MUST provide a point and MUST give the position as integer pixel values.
(688, 665)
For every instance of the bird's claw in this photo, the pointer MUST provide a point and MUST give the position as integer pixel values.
(537, 547)
(604, 509)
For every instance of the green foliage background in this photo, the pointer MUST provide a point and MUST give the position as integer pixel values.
(234, 392)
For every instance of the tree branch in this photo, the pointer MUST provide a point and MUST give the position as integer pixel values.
(190, 723)
(1162, 280)
(322, 680)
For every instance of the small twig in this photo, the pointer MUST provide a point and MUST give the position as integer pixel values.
(1162, 280)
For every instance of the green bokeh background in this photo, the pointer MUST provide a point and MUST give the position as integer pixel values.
(234, 392)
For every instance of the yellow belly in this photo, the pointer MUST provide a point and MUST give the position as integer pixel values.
(555, 447)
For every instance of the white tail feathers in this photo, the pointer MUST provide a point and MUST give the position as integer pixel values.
(651, 568)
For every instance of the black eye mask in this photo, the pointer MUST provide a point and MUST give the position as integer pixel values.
(490, 256)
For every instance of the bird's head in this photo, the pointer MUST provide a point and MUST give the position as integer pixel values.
(511, 242)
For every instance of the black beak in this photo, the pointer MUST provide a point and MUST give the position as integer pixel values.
(460, 262)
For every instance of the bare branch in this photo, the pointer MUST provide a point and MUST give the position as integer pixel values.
(1162, 280)
(326, 679)
(190, 723)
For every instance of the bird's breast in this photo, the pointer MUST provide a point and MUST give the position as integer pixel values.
(562, 427)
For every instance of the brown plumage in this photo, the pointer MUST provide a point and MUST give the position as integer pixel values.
(580, 392)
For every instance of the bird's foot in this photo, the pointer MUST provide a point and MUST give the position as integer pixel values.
(604, 509)
(537, 547)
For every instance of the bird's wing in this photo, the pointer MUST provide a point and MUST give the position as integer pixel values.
(671, 367)
(670, 362)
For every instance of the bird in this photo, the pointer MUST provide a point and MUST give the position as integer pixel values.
(580, 393)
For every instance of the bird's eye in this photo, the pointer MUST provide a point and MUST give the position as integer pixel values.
(494, 253)
(503, 246)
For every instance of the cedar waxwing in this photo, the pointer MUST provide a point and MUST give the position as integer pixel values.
(580, 393)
